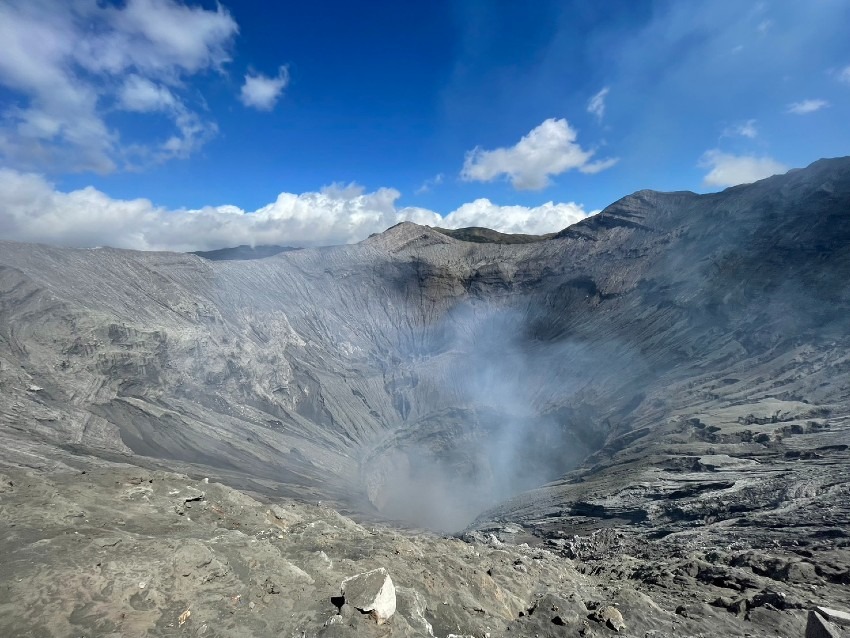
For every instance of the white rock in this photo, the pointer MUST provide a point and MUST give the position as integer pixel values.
(371, 592)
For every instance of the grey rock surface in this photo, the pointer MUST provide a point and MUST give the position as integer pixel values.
(818, 627)
(655, 401)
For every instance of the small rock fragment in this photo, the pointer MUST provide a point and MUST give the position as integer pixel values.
(271, 587)
(184, 617)
(609, 616)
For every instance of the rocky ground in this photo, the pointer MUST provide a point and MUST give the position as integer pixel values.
(104, 549)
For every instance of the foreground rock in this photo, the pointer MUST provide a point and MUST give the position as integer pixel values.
(371, 592)
(818, 627)
(835, 616)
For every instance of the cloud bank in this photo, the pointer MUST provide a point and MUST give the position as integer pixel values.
(32, 210)
(731, 170)
(549, 149)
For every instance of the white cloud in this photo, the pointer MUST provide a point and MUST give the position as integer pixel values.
(144, 96)
(262, 92)
(844, 75)
(596, 104)
(731, 170)
(549, 149)
(807, 106)
(192, 133)
(597, 166)
(537, 220)
(742, 129)
(68, 64)
(32, 210)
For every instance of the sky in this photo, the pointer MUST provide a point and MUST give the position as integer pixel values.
(192, 125)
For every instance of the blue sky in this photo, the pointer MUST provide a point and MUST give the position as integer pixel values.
(179, 125)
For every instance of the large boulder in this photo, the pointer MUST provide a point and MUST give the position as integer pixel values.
(817, 627)
(371, 592)
(834, 615)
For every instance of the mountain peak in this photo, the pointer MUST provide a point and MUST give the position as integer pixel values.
(407, 235)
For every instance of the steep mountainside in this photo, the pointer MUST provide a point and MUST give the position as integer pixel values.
(673, 369)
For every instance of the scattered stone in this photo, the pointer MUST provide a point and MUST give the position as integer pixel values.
(609, 616)
(283, 517)
(185, 500)
(184, 617)
(371, 592)
(771, 598)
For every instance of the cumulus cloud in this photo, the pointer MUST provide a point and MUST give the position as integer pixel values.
(731, 170)
(807, 106)
(549, 149)
(536, 220)
(32, 210)
(70, 63)
(596, 104)
(262, 92)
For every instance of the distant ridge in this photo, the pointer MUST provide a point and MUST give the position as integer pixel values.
(242, 252)
(481, 235)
